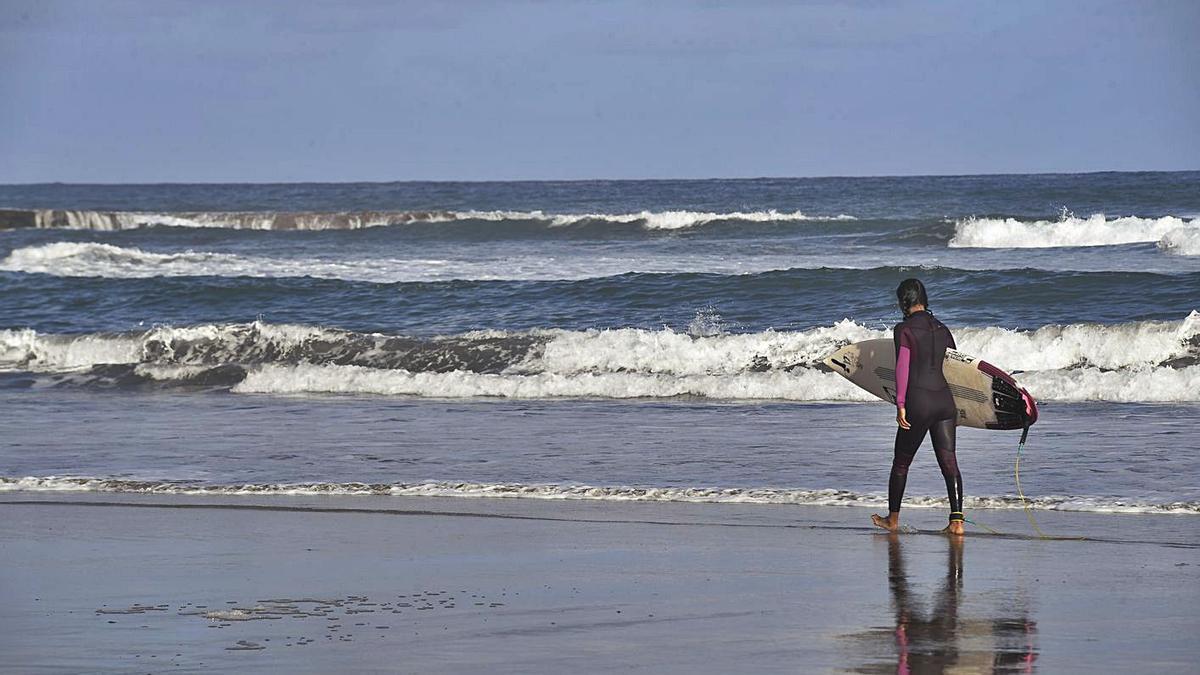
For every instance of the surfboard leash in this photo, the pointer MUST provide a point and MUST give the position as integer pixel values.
(1020, 493)
(1025, 503)
(1017, 475)
(976, 524)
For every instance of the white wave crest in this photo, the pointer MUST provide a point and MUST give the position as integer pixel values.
(1181, 241)
(268, 220)
(89, 259)
(21, 349)
(238, 220)
(28, 350)
(651, 220)
(669, 352)
(573, 492)
(1138, 344)
(1069, 230)
(1140, 385)
(1129, 345)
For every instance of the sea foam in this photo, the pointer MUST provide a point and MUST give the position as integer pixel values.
(798, 386)
(576, 492)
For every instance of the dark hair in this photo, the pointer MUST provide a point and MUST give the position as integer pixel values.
(911, 292)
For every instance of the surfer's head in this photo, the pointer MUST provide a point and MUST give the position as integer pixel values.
(910, 293)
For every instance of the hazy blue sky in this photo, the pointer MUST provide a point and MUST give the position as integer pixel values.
(109, 91)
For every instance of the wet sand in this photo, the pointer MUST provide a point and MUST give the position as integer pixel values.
(140, 583)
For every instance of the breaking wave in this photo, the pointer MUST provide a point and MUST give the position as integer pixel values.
(1069, 230)
(1148, 361)
(651, 220)
(261, 343)
(88, 259)
(1181, 241)
(709, 495)
(267, 220)
(240, 220)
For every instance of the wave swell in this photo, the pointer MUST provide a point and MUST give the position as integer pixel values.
(708, 495)
(1148, 361)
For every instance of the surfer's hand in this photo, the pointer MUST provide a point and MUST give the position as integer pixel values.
(901, 419)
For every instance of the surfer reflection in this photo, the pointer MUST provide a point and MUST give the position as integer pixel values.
(939, 640)
(924, 404)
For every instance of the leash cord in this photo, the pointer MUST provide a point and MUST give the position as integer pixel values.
(1024, 502)
(983, 526)
(1017, 479)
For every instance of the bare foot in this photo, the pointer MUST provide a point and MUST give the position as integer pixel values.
(955, 528)
(891, 523)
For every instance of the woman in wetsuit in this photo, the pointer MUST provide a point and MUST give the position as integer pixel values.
(923, 403)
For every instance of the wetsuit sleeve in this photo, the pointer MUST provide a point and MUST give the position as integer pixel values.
(902, 362)
(904, 353)
(950, 340)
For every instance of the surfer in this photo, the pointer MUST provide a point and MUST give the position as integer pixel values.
(923, 403)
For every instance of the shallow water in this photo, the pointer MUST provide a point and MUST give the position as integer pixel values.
(1091, 457)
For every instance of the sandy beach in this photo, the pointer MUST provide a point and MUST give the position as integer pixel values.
(137, 583)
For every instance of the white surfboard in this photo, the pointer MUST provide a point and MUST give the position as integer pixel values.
(986, 397)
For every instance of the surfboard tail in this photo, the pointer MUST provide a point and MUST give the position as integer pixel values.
(1031, 409)
(1015, 408)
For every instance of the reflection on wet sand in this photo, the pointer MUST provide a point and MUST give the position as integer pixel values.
(936, 638)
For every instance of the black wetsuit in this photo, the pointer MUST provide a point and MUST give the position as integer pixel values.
(928, 406)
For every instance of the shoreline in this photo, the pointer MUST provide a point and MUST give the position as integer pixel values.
(258, 584)
(1089, 526)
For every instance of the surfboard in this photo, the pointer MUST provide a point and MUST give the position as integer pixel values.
(986, 397)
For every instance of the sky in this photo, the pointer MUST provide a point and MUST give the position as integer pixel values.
(112, 91)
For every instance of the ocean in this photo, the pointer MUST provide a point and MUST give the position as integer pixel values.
(654, 341)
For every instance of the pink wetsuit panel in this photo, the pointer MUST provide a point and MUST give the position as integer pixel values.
(902, 362)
